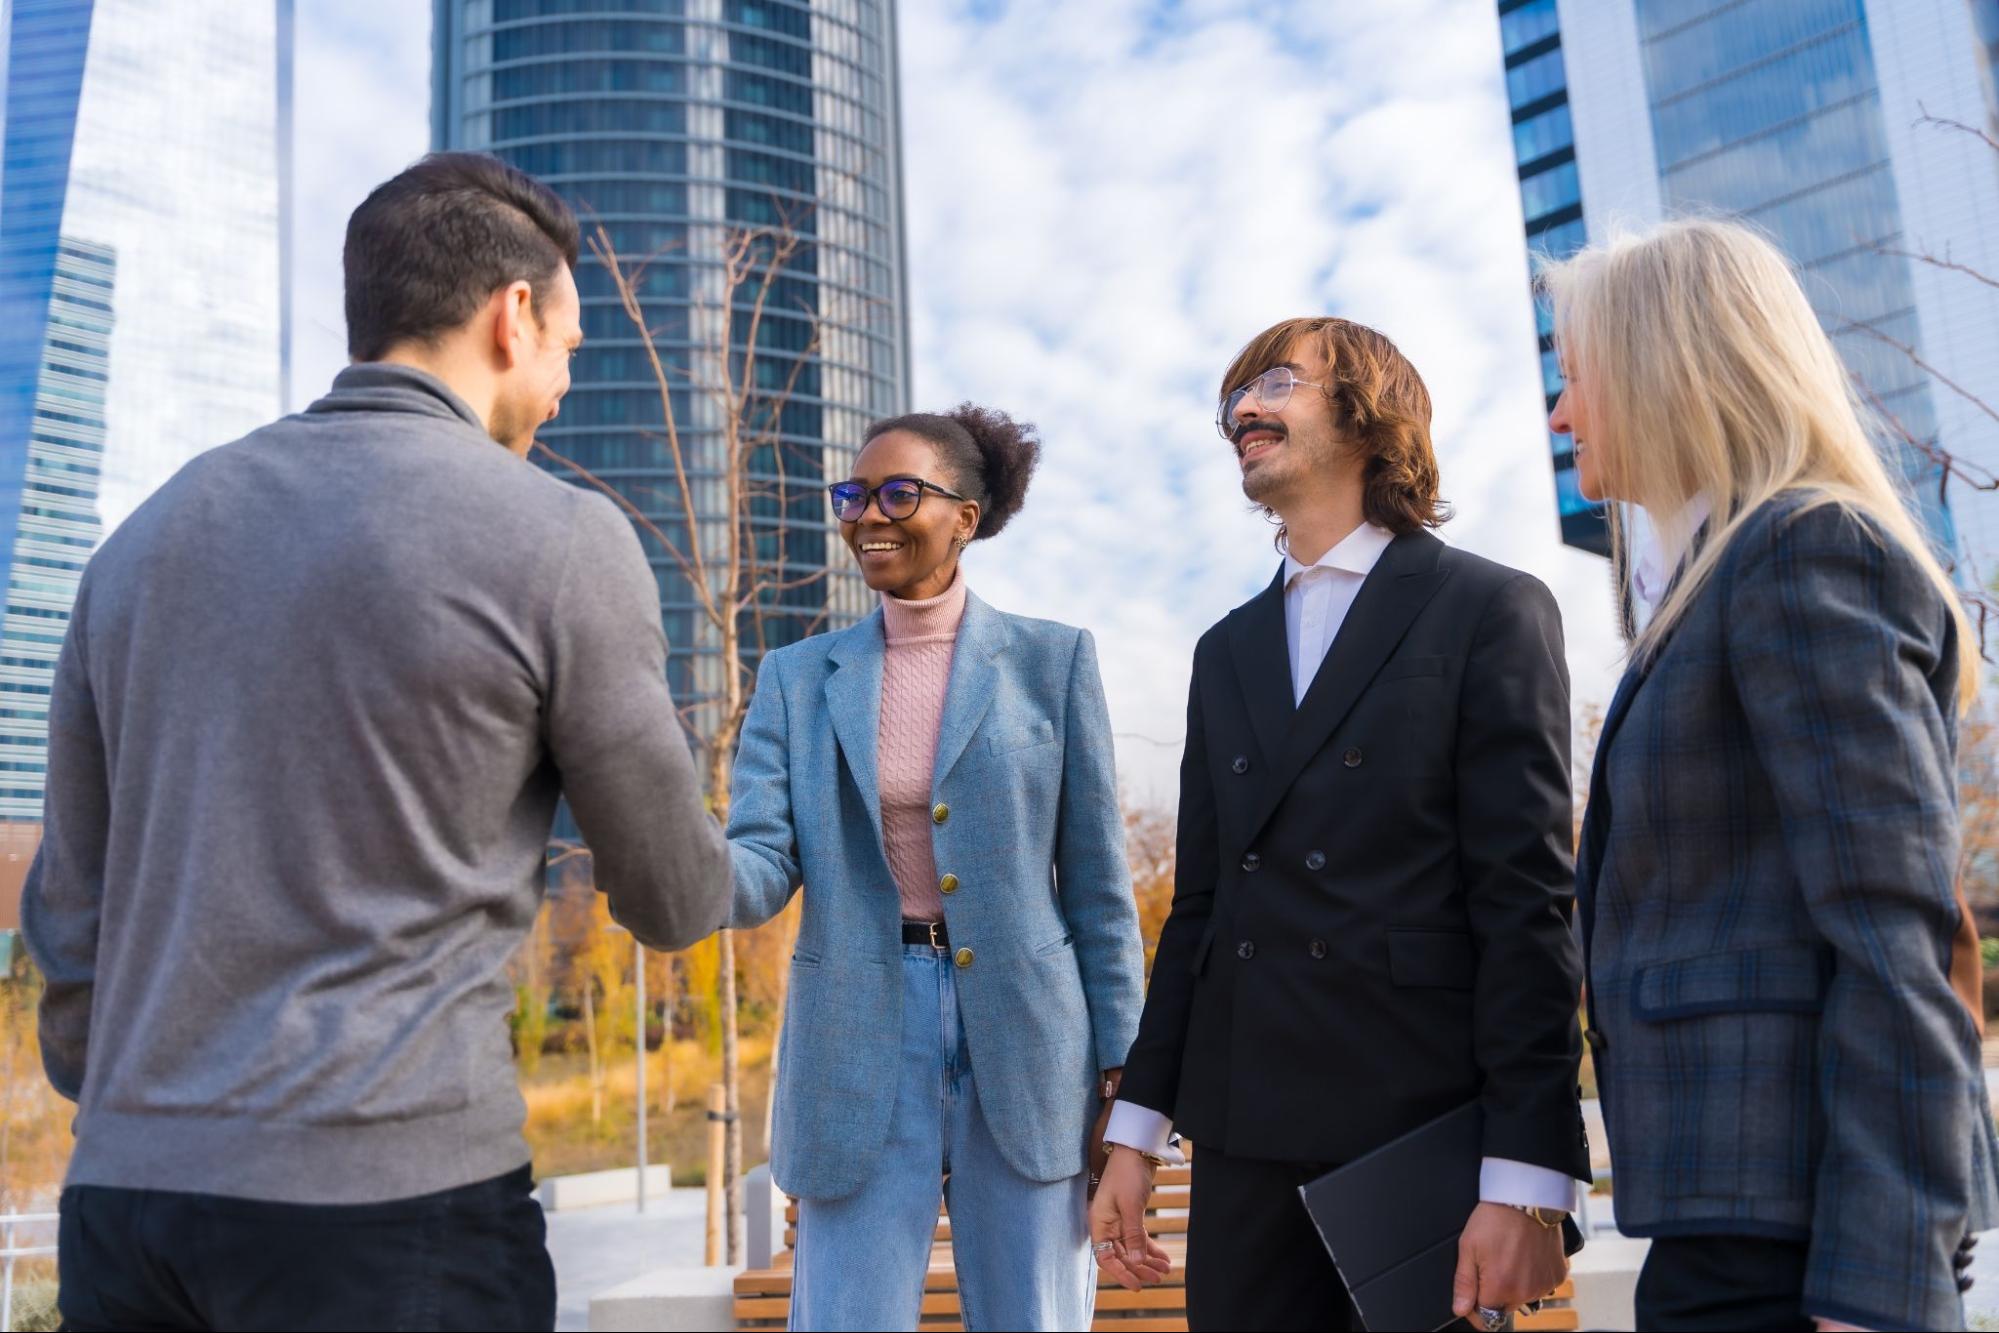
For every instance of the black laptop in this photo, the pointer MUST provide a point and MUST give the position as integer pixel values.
(1391, 1220)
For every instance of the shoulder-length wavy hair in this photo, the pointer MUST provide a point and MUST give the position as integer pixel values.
(1706, 372)
(1379, 403)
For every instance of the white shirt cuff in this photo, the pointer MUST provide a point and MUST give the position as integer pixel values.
(1142, 1128)
(1503, 1180)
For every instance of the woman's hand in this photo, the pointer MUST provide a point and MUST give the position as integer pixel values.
(1117, 1223)
(1096, 1153)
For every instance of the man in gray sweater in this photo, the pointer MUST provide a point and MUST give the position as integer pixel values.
(318, 699)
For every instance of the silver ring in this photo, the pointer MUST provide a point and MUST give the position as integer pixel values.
(1494, 1319)
(1103, 1247)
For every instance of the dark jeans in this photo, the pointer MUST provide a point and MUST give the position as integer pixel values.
(473, 1258)
(1724, 1283)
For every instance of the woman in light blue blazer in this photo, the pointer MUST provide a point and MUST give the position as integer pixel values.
(968, 972)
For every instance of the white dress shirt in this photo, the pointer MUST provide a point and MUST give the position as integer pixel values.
(1317, 598)
(1657, 548)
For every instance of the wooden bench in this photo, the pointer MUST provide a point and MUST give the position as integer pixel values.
(763, 1296)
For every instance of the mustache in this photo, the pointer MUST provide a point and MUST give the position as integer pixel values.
(1267, 427)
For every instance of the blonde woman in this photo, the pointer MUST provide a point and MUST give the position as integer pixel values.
(1791, 1087)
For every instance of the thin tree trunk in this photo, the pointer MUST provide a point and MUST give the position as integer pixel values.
(596, 1064)
(732, 1167)
(666, 1035)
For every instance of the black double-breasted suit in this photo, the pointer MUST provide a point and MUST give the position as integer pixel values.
(1370, 922)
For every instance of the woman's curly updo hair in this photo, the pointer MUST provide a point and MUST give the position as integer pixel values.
(990, 457)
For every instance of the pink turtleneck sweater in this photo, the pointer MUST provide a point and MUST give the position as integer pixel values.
(915, 674)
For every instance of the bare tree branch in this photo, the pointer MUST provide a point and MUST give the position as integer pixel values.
(1916, 357)
(1945, 122)
(721, 558)
(1946, 262)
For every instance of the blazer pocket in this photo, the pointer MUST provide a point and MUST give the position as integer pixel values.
(800, 958)
(1055, 946)
(1431, 958)
(1777, 978)
(1021, 738)
(1409, 667)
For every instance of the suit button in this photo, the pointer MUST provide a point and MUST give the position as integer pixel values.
(939, 813)
(948, 884)
(1315, 860)
(1245, 950)
(963, 958)
(1241, 764)
(1252, 862)
(1352, 757)
(1317, 948)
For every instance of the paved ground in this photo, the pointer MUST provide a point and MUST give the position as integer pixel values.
(595, 1249)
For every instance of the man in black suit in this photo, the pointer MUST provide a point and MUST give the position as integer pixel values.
(1370, 923)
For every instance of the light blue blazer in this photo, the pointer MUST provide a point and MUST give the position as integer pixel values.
(1034, 835)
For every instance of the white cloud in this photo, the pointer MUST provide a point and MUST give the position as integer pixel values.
(1104, 202)
(1103, 208)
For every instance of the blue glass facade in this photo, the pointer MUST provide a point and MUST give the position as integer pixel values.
(1769, 110)
(56, 524)
(667, 123)
(47, 42)
(140, 315)
(1551, 200)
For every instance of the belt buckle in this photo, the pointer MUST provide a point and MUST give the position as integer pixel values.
(935, 943)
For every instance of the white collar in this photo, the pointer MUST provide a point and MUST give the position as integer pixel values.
(1658, 548)
(1356, 553)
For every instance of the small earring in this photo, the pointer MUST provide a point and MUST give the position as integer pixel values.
(963, 542)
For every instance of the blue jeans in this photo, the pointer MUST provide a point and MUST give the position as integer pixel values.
(1022, 1246)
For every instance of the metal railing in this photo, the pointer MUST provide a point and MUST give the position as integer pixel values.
(11, 1253)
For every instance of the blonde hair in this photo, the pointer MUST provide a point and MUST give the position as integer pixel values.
(1706, 372)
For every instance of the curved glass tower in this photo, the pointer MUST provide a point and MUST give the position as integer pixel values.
(668, 123)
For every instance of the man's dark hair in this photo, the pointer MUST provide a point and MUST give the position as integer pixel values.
(430, 246)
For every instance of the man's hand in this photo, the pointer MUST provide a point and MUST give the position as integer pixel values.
(1505, 1259)
(1117, 1219)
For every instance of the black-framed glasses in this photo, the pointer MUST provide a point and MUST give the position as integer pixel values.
(1272, 390)
(897, 497)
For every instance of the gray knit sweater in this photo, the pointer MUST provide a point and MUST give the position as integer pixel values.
(318, 699)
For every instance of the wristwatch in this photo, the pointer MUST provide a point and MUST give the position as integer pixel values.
(1547, 1217)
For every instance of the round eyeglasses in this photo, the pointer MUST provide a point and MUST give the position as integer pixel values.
(898, 498)
(1272, 390)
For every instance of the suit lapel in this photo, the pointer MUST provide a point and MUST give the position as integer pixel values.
(1403, 581)
(1596, 817)
(1261, 652)
(854, 700)
(982, 636)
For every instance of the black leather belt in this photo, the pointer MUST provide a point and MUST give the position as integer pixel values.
(931, 933)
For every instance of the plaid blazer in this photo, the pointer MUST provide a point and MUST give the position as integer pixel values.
(1766, 887)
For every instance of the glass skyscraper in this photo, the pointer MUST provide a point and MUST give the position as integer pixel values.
(1801, 116)
(673, 124)
(1544, 146)
(141, 314)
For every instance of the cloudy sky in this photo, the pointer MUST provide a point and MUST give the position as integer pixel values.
(1104, 202)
